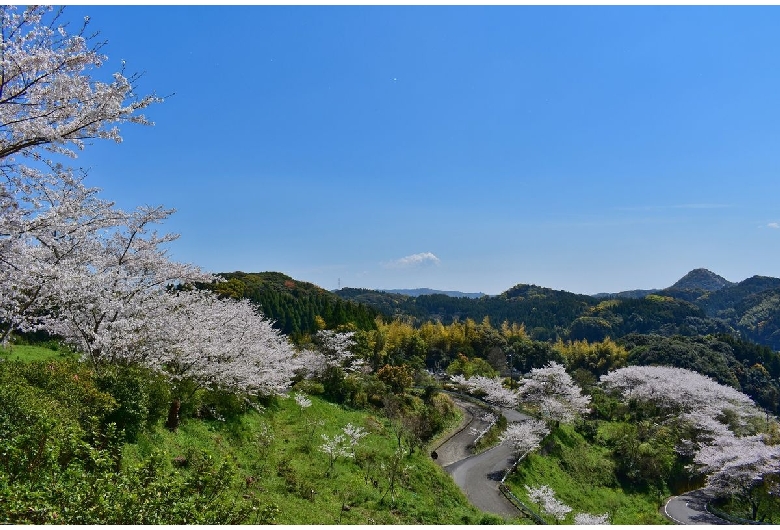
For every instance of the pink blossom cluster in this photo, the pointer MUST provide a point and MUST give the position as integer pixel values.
(50, 99)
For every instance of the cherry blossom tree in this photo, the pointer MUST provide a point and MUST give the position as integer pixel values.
(525, 436)
(74, 265)
(342, 444)
(492, 389)
(680, 393)
(337, 348)
(737, 466)
(554, 393)
(544, 497)
(216, 343)
(53, 232)
(105, 302)
(302, 401)
(221, 343)
(52, 103)
(49, 97)
(331, 349)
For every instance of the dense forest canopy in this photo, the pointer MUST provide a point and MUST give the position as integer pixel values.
(749, 309)
(297, 308)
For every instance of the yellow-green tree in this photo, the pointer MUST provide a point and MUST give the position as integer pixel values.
(596, 357)
(470, 367)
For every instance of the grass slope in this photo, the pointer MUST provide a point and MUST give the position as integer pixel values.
(26, 353)
(276, 457)
(582, 475)
(266, 460)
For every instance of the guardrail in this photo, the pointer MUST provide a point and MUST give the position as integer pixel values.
(528, 512)
(520, 505)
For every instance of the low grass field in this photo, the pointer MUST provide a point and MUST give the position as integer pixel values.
(23, 352)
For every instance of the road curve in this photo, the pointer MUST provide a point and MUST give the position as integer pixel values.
(456, 447)
(479, 476)
(690, 508)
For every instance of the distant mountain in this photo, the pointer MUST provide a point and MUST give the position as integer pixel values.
(701, 303)
(636, 293)
(425, 290)
(750, 308)
(701, 279)
(690, 287)
(718, 303)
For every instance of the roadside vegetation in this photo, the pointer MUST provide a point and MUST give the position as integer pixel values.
(583, 477)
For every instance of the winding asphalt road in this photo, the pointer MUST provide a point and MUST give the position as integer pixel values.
(690, 508)
(479, 476)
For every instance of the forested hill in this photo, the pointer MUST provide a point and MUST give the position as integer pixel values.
(295, 306)
(700, 303)
(550, 314)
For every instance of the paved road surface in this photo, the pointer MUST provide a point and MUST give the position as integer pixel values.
(456, 447)
(689, 508)
(478, 476)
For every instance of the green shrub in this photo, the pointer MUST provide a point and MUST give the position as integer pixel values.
(71, 384)
(307, 386)
(142, 397)
(221, 405)
(37, 434)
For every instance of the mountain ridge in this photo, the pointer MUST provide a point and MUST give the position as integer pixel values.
(702, 279)
(700, 303)
(424, 290)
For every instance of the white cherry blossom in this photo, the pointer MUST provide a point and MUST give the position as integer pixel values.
(554, 393)
(50, 97)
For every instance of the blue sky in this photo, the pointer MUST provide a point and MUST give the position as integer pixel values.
(462, 148)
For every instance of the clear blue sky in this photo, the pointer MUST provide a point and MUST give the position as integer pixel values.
(463, 148)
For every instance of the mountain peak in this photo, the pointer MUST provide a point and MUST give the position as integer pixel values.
(701, 279)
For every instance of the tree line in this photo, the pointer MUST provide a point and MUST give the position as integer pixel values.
(749, 309)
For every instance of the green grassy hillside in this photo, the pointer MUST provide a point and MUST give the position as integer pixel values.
(583, 477)
(86, 446)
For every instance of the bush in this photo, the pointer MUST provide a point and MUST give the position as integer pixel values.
(37, 434)
(333, 384)
(68, 383)
(142, 397)
(307, 386)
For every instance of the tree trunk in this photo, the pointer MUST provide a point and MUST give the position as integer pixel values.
(173, 415)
